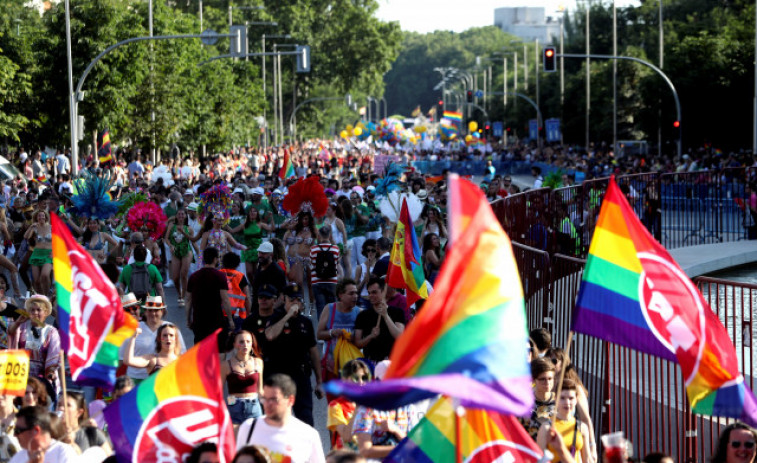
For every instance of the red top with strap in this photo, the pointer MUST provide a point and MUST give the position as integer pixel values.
(239, 383)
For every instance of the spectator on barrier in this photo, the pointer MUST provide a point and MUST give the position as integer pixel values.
(9, 445)
(736, 444)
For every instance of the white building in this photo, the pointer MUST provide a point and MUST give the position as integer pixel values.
(528, 23)
(41, 5)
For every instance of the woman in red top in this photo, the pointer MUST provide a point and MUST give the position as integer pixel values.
(243, 374)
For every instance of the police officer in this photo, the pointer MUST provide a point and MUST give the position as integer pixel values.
(292, 350)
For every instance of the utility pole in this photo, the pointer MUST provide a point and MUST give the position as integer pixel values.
(614, 79)
(588, 75)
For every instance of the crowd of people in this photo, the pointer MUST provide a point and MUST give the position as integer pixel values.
(291, 269)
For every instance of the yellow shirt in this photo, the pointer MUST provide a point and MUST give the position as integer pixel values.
(567, 428)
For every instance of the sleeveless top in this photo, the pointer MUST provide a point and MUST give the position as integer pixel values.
(98, 246)
(342, 321)
(239, 383)
(217, 239)
(570, 430)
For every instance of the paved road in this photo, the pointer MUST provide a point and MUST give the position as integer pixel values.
(178, 316)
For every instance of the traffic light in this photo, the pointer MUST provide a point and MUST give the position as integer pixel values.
(549, 59)
(677, 124)
(469, 96)
(303, 58)
(441, 102)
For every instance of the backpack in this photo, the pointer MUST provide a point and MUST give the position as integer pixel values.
(325, 264)
(139, 283)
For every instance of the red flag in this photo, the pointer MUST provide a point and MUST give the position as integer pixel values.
(93, 325)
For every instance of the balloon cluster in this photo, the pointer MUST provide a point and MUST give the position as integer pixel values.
(388, 130)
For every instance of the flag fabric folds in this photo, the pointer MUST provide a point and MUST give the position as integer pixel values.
(455, 117)
(634, 294)
(484, 436)
(287, 170)
(405, 266)
(470, 339)
(173, 410)
(93, 325)
(104, 152)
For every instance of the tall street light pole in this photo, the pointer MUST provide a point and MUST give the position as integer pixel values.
(588, 73)
(659, 106)
(614, 79)
(71, 96)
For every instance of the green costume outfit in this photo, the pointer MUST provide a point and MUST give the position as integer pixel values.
(180, 242)
(253, 237)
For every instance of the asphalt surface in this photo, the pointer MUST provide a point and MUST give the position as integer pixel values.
(178, 316)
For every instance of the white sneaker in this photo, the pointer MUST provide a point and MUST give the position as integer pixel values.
(168, 284)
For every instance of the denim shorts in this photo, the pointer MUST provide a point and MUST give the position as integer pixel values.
(243, 409)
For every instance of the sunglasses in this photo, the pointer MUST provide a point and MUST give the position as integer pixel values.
(370, 250)
(747, 444)
(153, 305)
(18, 431)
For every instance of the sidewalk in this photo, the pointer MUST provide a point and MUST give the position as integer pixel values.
(708, 258)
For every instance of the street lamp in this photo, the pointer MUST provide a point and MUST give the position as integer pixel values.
(525, 62)
(265, 109)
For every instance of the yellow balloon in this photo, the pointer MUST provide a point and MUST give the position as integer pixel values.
(419, 128)
(343, 134)
(468, 138)
(472, 126)
(358, 131)
(349, 128)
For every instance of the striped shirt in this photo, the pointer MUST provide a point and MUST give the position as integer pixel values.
(314, 251)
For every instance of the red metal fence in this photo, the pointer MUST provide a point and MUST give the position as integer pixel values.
(641, 395)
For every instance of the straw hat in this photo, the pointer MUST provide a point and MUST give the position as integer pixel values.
(129, 300)
(39, 298)
(154, 302)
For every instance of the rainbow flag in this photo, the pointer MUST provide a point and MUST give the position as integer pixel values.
(174, 409)
(104, 153)
(634, 294)
(470, 340)
(93, 325)
(405, 267)
(484, 436)
(287, 170)
(453, 116)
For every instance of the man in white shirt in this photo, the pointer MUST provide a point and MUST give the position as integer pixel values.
(63, 165)
(33, 433)
(279, 431)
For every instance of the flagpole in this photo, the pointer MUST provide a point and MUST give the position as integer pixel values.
(562, 374)
(459, 411)
(63, 384)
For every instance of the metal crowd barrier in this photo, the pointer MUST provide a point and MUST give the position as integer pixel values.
(641, 395)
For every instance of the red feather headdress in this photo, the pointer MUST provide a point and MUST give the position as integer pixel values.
(306, 195)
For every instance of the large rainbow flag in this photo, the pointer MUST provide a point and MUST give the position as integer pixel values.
(93, 325)
(174, 409)
(287, 170)
(470, 339)
(405, 263)
(453, 116)
(478, 435)
(634, 294)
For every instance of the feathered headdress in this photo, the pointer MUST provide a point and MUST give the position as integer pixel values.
(391, 206)
(306, 195)
(149, 216)
(92, 198)
(128, 201)
(392, 180)
(216, 201)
